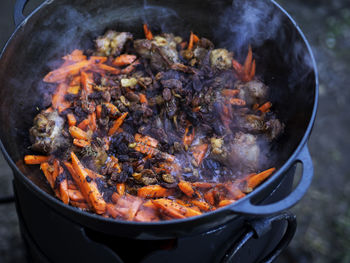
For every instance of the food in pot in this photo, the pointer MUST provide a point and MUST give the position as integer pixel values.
(154, 129)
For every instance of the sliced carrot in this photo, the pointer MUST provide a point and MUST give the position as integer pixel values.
(92, 121)
(199, 152)
(81, 143)
(112, 109)
(189, 135)
(152, 191)
(60, 74)
(63, 188)
(124, 60)
(143, 98)
(229, 92)
(87, 80)
(78, 133)
(186, 188)
(103, 68)
(90, 191)
(35, 159)
(195, 38)
(131, 67)
(117, 123)
(237, 102)
(265, 107)
(225, 202)
(121, 189)
(204, 206)
(148, 33)
(83, 124)
(248, 62)
(112, 210)
(146, 140)
(58, 98)
(76, 195)
(257, 179)
(209, 197)
(71, 119)
(98, 111)
(76, 56)
(174, 209)
(45, 167)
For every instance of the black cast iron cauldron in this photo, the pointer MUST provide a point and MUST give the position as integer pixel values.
(284, 62)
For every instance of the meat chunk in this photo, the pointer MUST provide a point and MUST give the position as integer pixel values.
(46, 134)
(161, 50)
(112, 43)
(245, 152)
(221, 59)
(252, 92)
(273, 128)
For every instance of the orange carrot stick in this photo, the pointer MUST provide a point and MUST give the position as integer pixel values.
(124, 59)
(92, 121)
(81, 143)
(112, 109)
(81, 205)
(151, 191)
(186, 188)
(204, 206)
(58, 98)
(88, 188)
(248, 62)
(71, 119)
(87, 81)
(76, 195)
(103, 68)
(78, 133)
(45, 167)
(189, 135)
(237, 102)
(265, 107)
(146, 140)
(225, 202)
(60, 74)
(143, 98)
(35, 159)
(199, 152)
(174, 209)
(131, 67)
(148, 33)
(76, 56)
(229, 92)
(117, 123)
(257, 179)
(84, 124)
(190, 42)
(63, 188)
(98, 111)
(121, 189)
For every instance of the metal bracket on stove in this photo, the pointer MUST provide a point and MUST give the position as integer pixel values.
(259, 227)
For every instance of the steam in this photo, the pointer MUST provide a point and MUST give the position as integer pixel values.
(248, 22)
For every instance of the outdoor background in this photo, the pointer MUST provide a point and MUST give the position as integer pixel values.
(323, 233)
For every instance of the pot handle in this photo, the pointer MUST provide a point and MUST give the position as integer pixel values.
(260, 227)
(246, 207)
(18, 12)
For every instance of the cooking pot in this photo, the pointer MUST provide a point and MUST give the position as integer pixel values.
(284, 62)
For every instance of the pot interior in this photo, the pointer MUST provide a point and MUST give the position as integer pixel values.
(283, 59)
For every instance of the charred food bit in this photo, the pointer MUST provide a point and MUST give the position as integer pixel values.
(252, 92)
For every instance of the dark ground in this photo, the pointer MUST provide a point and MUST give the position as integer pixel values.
(323, 233)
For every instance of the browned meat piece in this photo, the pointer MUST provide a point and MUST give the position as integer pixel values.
(221, 58)
(161, 50)
(274, 128)
(245, 152)
(252, 92)
(250, 123)
(112, 43)
(242, 153)
(46, 134)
